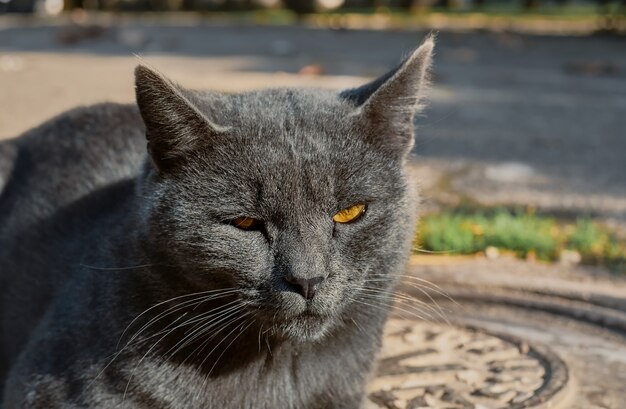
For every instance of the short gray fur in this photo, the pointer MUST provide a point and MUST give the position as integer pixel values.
(94, 232)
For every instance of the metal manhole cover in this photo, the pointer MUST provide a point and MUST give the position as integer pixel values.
(426, 365)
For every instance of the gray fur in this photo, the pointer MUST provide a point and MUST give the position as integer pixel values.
(96, 237)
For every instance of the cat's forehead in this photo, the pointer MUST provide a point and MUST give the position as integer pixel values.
(287, 168)
(287, 136)
(287, 109)
(284, 128)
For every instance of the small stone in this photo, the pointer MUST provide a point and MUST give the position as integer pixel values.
(521, 397)
(469, 377)
(311, 69)
(524, 348)
(430, 400)
(509, 172)
(10, 63)
(570, 257)
(492, 253)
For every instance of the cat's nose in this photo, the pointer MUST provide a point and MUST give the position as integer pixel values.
(305, 286)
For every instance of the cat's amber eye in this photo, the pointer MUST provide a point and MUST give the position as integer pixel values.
(246, 223)
(350, 214)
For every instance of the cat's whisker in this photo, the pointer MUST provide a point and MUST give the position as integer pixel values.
(172, 310)
(142, 359)
(269, 348)
(193, 320)
(225, 349)
(117, 268)
(432, 286)
(406, 300)
(432, 305)
(203, 327)
(422, 250)
(387, 307)
(356, 324)
(425, 284)
(423, 291)
(114, 357)
(411, 296)
(139, 363)
(224, 322)
(200, 319)
(388, 304)
(229, 344)
(408, 276)
(437, 309)
(165, 302)
(169, 311)
(404, 313)
(399, 303)
(204, 344)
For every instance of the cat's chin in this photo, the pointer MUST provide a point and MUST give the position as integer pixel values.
(306, 328)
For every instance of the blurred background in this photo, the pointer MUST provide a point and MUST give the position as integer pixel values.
(520, 155)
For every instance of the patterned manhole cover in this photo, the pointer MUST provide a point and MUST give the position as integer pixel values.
(425, 365)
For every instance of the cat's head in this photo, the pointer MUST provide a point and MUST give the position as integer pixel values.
(297, 199)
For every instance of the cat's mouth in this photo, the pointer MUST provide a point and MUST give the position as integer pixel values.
(294, 318)
(304, 325)
(309, 324)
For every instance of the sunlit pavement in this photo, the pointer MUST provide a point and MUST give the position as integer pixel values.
(504, 334)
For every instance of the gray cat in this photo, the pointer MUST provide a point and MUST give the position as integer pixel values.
(244, 262)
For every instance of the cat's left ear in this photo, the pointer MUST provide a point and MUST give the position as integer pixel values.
(386, 106)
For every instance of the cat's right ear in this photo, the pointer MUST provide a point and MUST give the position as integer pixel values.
(174, 123)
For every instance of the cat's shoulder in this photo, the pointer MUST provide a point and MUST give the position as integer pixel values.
(106, 131)
(69, 156)
(104, 121)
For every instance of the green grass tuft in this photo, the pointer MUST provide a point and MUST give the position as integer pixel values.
(521, 232)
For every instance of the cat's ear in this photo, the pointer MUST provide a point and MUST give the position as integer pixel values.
(387, 105)
(174, 123)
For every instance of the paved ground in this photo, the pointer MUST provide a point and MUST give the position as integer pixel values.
(513, 119)
(518, 335)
